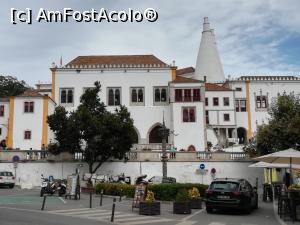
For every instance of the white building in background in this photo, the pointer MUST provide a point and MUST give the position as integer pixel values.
(198, 104)
(26, 116)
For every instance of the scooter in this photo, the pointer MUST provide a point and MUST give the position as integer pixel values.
(47, 187)
(50, 187)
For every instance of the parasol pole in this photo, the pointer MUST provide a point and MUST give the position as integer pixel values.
(291, 173)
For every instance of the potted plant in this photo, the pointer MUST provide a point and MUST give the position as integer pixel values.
(196, 201)
(150, 207)
(182, 204)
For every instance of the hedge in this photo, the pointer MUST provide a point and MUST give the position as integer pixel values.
(164, 192)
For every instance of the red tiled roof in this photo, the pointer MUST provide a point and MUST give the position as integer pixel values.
(180, 79)
(117, 60)
(215, 87)
(30, 93)
(185, 70)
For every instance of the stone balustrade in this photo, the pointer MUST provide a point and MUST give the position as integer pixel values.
(133, 156)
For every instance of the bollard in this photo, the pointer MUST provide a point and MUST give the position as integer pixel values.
(113, 211)
(101, 196)
(44, 201)
(90, 200)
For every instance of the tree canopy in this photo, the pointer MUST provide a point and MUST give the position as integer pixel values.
(283, 130)
(11, 86)
(91, 129)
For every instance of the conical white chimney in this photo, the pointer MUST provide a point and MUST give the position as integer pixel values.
(208, 61)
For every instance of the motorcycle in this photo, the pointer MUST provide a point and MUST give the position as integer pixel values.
(53, 186)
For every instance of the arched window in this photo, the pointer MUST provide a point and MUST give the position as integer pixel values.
(70, 96)
(117, 97)
(133, 95)
(163, 95)
(63, 96)
(155, 135)
(140, 95)
(67, 96)
(110, 97)
(157, 95)
(137, 96)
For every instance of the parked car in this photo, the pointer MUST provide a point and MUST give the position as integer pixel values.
(231, 193)
(7, 179)
(160, 179)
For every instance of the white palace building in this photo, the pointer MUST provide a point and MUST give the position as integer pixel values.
(198, 104)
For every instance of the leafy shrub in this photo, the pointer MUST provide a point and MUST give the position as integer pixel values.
(163, 192)
(182, 195)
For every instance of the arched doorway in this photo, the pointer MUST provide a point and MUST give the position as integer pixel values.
(242, 135)
(155, 135)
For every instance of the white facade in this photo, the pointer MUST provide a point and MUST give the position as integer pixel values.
(28, 121)
(147, 114)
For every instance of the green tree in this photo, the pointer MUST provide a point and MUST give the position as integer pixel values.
(91, 129)
(283, 129)
(10, 86)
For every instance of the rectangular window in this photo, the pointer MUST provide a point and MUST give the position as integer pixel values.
(240, 105)
(243, 105)
(27, 135)
(189, 114)
(196, 95)
(114, 96)
(207, 117)
(226, 117)
(1, 110)
(187, 95)
(216, 101)
(206, 101)
(226, 101)
(67, 96)
(137, 96)
(28, 107)
(178, 95)
(238, 89)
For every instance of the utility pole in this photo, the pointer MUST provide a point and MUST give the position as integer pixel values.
(164, 134)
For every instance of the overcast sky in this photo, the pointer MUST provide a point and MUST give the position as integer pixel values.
(254, 37)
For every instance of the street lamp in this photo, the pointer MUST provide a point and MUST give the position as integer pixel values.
(164, 132)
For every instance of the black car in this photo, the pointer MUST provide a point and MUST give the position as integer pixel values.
(160, 179)
(231, 193)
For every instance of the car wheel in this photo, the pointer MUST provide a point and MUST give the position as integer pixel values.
(248, 209)
(256, 204)
(11, 186)
(209, 209)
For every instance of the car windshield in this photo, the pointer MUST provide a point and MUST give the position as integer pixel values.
(6, 174)
(224, 186)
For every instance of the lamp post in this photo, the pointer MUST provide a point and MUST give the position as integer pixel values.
(164, 132)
